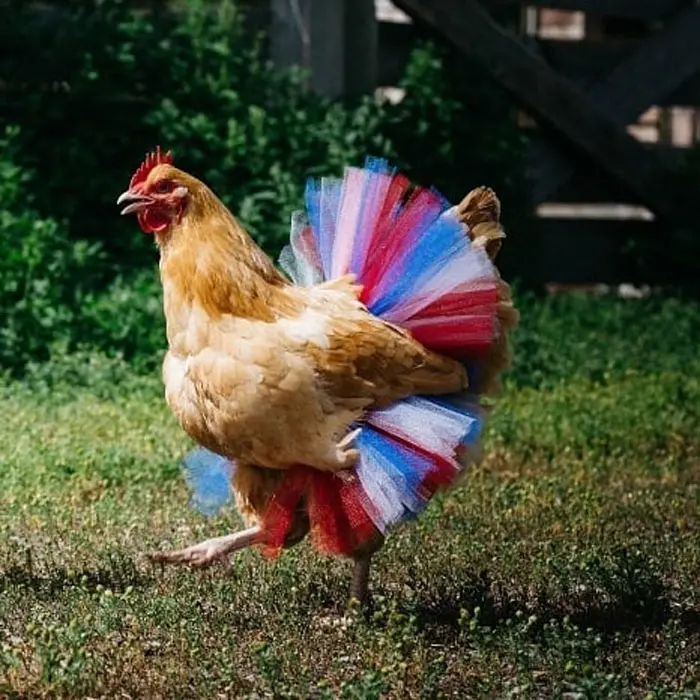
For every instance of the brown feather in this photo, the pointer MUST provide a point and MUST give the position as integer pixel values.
(480, 212)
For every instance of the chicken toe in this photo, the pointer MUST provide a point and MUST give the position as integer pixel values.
(339, 456)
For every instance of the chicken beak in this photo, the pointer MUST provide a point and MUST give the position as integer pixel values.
(135, 202)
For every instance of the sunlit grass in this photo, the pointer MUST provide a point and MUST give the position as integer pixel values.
(568, 563)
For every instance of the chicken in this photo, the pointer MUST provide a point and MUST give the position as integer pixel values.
(302, 386)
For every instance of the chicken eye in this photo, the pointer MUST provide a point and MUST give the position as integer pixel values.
(162, 187)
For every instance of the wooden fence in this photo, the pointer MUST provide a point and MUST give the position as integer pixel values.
(608, 90)
(609, 101)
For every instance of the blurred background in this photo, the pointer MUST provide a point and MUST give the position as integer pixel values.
(581, 114)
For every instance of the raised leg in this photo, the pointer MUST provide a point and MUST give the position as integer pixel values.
(206, 553)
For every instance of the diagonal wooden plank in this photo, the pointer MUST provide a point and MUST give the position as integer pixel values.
(585, 62)
(653, 70)
(588, 61)
(556, 101)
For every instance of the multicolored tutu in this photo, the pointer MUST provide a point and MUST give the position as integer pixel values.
(418, 270)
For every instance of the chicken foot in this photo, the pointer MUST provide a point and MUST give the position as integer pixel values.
(340, 456)
(210, 551)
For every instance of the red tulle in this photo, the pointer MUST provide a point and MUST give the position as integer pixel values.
(280, 513)
(450, 337)
(463, 319)
(338, 512)
(423, 205)
(460, 302)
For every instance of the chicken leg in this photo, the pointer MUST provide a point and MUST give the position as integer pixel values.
(359, 587)
(210, 551)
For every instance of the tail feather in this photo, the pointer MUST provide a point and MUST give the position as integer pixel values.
(480, 212)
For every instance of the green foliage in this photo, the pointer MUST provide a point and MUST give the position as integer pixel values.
(47, 302)
(126, 320)
(195, 81)
(61, 652)
(578, 336)
(42, 273)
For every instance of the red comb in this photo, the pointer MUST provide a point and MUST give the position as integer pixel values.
(150, 162)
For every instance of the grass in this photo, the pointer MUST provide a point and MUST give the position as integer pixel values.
(566, 566)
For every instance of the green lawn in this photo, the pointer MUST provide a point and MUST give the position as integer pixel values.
(568, 565)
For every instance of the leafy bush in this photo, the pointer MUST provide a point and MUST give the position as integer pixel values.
(41, 271)
(195, 81)
(47, 305)
(126, 320)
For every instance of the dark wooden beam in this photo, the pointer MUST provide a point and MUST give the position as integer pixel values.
(589, 185)
(556, 101)
(584, 61)
(652, 71)
(396, 42)
(335, 40)
(588, 62)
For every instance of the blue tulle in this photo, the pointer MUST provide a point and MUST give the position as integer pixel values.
(322, 204)
(468, 408)
(323, 199)
(392, 471)
(439, 242)
(404, 468)
(209, 477)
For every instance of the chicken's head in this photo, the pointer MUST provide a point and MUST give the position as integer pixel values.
(157, 193)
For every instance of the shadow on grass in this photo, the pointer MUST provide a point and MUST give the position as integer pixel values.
(118, 577)
(438, 611)
(619, 590)
(10, 694)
